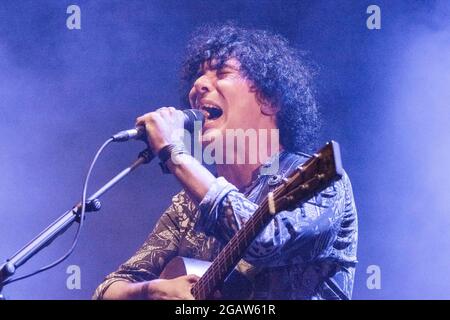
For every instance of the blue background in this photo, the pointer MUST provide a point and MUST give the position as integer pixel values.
(384, 96)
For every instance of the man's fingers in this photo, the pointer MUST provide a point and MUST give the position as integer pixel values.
(150, 117)
(162, 113)
(190, 297)
(168, 113)
(192, 278)
(172, 110)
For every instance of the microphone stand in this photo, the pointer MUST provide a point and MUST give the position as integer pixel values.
(64, 222)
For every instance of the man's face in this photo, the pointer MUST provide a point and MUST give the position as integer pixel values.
(228, 100)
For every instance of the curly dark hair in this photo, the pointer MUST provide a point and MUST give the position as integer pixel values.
(280, 74)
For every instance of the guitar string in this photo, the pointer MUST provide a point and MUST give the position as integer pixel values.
(210, 275)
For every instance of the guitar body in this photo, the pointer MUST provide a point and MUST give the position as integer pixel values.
(180, 266)
(235, 287)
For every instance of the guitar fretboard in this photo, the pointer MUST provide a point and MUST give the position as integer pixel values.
(231, 253)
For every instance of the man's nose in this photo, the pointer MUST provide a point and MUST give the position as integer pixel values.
(203, 85)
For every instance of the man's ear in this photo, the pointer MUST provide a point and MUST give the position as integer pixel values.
(268, 109)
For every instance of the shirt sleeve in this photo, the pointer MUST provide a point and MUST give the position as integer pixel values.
(322, 227)
(161, 246)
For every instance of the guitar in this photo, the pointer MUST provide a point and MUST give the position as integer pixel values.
(311, 177)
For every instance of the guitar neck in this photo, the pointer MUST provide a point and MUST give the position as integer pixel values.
(230, 255)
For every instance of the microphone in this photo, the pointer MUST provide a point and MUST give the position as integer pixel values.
(190, 117)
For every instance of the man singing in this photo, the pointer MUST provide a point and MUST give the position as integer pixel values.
(244, 79)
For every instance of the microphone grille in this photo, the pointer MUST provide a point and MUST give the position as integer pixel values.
(193, 115)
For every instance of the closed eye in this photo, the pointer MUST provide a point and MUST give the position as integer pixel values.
(222, 73)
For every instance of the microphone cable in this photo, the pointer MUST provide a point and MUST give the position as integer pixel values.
(80, 225)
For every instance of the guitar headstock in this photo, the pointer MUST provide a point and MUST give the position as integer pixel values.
(313, 176)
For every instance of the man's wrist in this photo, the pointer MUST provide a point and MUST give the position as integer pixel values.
(139, 291)
(150, 290)
(124, 290)
(170, 154)
(143, 291)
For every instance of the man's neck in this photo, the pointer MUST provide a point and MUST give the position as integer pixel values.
(242, 175)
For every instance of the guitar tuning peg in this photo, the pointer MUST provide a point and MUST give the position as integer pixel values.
(305, 186)
(321, 176)
(274, 180)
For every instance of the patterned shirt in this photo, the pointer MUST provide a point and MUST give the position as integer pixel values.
(306, 253)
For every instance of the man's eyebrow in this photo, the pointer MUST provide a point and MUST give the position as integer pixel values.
(226, 65)
(201, 70)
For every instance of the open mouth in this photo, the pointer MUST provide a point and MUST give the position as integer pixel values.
(212, 112)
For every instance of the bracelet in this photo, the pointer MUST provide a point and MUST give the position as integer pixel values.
(168, 152)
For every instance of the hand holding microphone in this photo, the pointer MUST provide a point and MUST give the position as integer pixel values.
(158, 127)
(162, 127)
